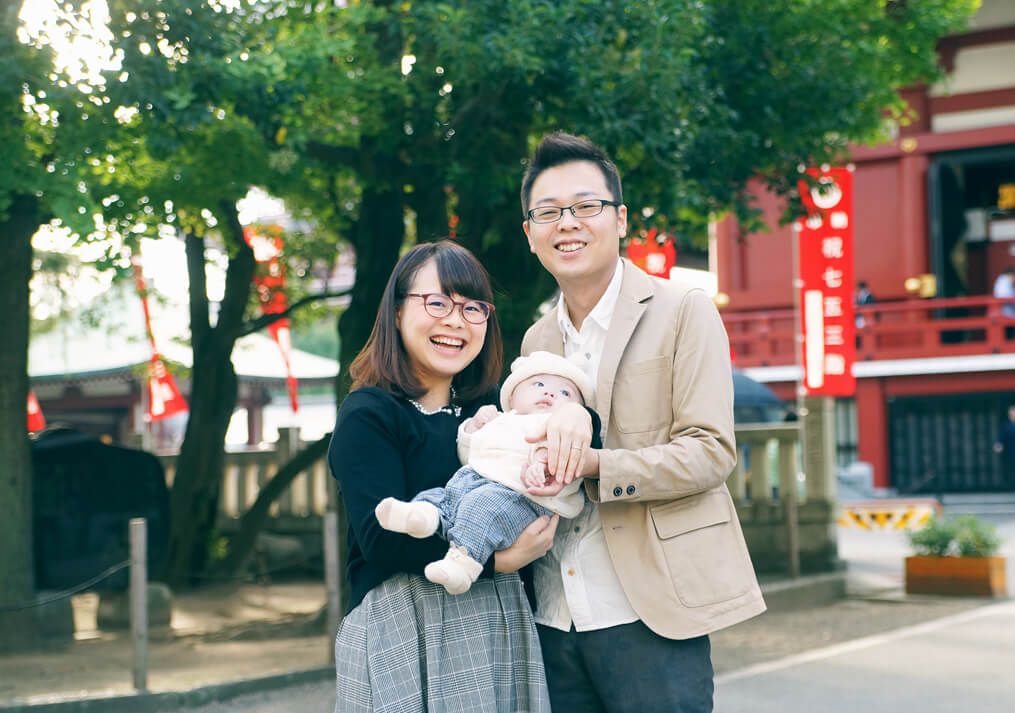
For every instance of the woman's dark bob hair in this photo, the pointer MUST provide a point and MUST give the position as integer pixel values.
(384, 363)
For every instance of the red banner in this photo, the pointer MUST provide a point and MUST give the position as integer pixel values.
(36, 421)
(652, 255)
(269, 281)
(825, 269)
(164, 397)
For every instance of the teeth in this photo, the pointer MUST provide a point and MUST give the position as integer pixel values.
(448, 341)
(570, 247)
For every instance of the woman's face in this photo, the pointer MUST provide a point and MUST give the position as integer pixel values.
(438, 347)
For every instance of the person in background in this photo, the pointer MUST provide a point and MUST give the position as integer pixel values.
(862, 296)
(1004, 288)
(1005, 447)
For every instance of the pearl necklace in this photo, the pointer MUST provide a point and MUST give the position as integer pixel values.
(451, 409)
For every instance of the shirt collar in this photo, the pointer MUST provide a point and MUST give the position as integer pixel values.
(602, 313)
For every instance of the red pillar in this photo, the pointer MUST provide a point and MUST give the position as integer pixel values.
(872, 420)
(913, 215)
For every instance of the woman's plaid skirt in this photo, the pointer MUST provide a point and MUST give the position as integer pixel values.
(410, 647)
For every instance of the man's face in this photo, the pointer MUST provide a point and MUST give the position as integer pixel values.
(544, 392)
(575, 249)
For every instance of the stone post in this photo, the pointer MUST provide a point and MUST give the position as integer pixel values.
(817, 420)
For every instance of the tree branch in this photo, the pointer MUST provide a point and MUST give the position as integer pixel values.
(252, 521)
(256, 325)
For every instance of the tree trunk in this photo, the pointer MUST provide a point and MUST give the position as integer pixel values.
(17, 580)
(197, 485)
(520, 282)
(379, 237)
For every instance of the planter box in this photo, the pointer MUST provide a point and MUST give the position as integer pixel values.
(960, 576)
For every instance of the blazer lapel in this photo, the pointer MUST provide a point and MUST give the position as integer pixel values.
(635, 290)
(547, 336)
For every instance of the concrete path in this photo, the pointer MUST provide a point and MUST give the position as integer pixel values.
(963, 662)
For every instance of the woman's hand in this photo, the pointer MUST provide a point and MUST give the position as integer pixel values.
(533, 542)
(568, 435)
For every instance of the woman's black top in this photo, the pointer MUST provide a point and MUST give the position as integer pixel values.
(383, 447)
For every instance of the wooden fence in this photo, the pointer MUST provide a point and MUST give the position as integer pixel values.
(786, 517)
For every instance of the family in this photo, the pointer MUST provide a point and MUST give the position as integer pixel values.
(575, 547)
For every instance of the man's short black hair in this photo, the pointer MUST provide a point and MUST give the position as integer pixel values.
(560, 148)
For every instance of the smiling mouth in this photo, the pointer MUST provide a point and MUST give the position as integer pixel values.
(570, 246)
(448, 343)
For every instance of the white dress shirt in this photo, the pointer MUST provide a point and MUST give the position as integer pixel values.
(575, 581)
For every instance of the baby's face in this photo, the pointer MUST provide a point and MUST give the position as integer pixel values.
(544, 392)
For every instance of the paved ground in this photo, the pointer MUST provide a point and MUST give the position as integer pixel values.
(878, 645)
(960, 663)
(219, 634)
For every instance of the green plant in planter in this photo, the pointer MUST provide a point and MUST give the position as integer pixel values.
(962, 536)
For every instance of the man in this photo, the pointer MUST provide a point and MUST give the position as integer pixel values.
(1005, 446)
(657, 560)
(1004, 288)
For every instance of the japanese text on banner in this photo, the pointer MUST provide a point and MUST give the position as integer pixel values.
(825, 270)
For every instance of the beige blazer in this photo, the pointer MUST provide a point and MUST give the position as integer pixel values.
(665, 395)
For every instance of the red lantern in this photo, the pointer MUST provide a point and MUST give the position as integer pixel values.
(652, 255)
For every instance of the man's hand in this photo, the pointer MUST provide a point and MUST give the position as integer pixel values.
(483, 416)
(533, 542)
(568, 435)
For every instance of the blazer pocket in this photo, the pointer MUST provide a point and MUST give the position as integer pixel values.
(642, 399)
(707, 559)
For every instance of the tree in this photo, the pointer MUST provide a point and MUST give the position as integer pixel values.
(429, 110)
(44, 127)
(386, 119)
(201, 104)
(692, 100)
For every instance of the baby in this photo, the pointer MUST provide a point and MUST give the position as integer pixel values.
(485, 505)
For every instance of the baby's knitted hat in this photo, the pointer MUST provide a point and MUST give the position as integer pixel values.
(544, 363)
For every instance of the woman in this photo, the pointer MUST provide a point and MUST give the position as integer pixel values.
(432, 360)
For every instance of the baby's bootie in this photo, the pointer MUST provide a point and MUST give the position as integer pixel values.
(417, 519)
(456, 572)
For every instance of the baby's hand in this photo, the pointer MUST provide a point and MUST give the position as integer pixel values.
(483, 416)
(538, 481)
(535, 475)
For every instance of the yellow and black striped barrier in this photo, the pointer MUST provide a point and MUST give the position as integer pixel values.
(887, 514)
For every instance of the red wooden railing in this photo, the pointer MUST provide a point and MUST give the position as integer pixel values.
(907, 329)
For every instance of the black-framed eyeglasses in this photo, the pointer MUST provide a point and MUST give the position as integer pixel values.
(582, 209)
(438, 305)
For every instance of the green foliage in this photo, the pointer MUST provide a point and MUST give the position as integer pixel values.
(975, 538)
(47, 128)
(963, 535)
(318, 337)
(691, 99)
(935, 538)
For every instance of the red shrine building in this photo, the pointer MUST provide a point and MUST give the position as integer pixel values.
(933, 228)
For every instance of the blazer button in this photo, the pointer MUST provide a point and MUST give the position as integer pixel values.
(617, 492)
(630, 490)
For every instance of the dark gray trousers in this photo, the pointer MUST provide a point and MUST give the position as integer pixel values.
(627, 668)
